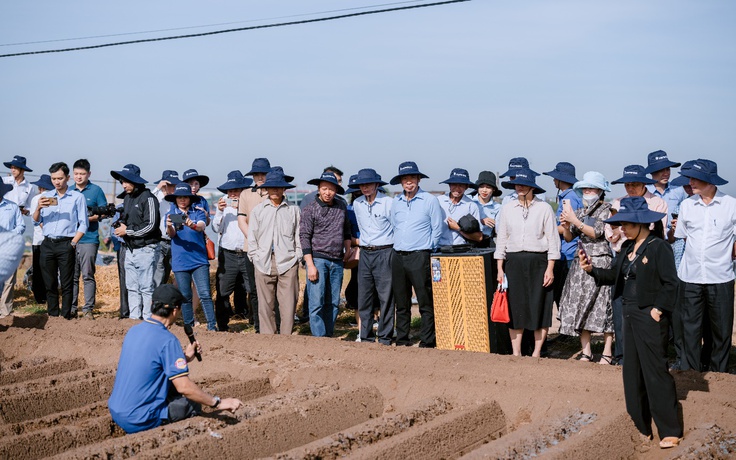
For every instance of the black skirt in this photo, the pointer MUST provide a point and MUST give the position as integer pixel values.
(530, 303)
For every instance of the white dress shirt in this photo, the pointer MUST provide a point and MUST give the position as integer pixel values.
(709, 233)
(37, 230)
(225, 224)
(536, 233)
(22, 193)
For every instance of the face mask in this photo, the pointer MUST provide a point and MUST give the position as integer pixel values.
(589, 199)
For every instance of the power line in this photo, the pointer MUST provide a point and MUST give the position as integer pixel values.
(206, 25)
(240, 29)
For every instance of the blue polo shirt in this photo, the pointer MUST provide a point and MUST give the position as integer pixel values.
(188, 250)
(568, 250)
(417, 223)
(95, 197)
(673, 196)
(65, 219)
(489, 209)
(374, 220)
(150, 359)
(11, 220)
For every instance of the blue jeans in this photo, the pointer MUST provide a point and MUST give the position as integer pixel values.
(322, 317)
(201, 278)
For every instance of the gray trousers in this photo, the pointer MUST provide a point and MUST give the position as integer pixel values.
(162, 271)
(375, 279)
(85, 266)
(139, 266)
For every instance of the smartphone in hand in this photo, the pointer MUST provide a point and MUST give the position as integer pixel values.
(581, 248)
(53, 201)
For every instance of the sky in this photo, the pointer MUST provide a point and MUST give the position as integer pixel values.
(468, 85)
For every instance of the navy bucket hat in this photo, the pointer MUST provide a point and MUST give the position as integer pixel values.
(277, 179)
(407, 168)
(5, 188)
(190, 174)
(130, 173)
(705, 170)
(657, 161)
(681, 180)
(564, 172)
(170, 176)
(368, 176)
(260, 165)
(459, 176)
(634, 173)
(182, 190)
(19, 162)
(516, 164)
(523, 177)
(234, 181)
(44, 181)
(635, 209)
(328, 176)
(352, 186)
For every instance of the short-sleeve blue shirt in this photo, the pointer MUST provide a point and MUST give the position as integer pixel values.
(150, 359)
(95, 197)
(568, 249)
(188, 250)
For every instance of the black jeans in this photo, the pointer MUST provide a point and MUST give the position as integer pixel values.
(124, 308)
(179, 407)
(39, 287)
(58, 257)
(231, 270)
(412, 270)
(375, 287)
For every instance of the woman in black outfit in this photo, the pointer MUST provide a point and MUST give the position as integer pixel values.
(646, 277)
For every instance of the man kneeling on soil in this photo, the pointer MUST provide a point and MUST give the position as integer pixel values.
(152, 386)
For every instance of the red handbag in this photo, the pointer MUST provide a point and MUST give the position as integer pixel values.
(210, 248)
(500, 307)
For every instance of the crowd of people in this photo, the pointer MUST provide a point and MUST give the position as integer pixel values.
(584, 256)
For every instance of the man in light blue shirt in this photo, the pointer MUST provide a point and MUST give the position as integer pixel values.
(455, 205)
(11, 221)
(63, 214)
(659, 167)
(373, 214)
(417, 220)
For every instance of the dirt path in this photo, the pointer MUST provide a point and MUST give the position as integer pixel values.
(328, 398)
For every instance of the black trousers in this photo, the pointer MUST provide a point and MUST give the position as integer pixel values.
(649, 388)
(715, 301)
(179, 407)
(250, 284)
(375, 287)
(562, 268)
(232, 273)
(124, 308)
(412, 270)
(38, 286)
(58, 256)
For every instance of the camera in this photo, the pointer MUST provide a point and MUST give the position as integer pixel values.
(109, 210)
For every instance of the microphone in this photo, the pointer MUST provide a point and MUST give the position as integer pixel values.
(190, 334)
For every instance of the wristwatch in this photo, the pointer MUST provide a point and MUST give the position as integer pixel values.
(581, 226)
(217, 402)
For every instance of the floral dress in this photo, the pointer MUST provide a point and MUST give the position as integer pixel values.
(584, 305)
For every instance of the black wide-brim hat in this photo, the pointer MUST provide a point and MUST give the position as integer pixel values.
(705, 170)
(182, 190)
(564, 172)
(657, 161)
(44, 181)
(407, 168)
(487, 177)
(276, 179)
(190, 174)
(634, 209)
(523, 176)
(130, 173)
(19, 162)
(330, 177)
(634, 173)
(235, 180)
(459, 176)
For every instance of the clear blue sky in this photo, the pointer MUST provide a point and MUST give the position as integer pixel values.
(599, 84)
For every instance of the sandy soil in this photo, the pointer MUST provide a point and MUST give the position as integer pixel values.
(327, 398)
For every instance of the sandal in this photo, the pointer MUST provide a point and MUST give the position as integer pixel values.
(669, 441)
(606, 359)
(585, 358)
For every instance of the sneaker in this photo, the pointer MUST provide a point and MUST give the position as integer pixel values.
(88, 315)
(357, 339)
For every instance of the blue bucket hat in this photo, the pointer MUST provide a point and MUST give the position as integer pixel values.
(19, 162)
(182, 189)
(172, 177)
(328, 176)
(260, 165)
(407, 168)
(681, 180)
(635, 209)
(564, 172)
(368, 176)
(5, 188)
(459, 176)
(44, 181)
(277, 179)
(591, 179)
(235, 180)
(657, 161)
(523, 176)
(190, 174)
(130, 173)
(634, 173)
(516, 164)
(705, 170)
(352, 187)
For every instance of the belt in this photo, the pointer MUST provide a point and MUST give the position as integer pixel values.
(59, 239)
(235, 251)
(406, 253)
(376, 248)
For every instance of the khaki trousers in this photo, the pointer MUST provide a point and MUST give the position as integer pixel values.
(6, 301)
(274, 288)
